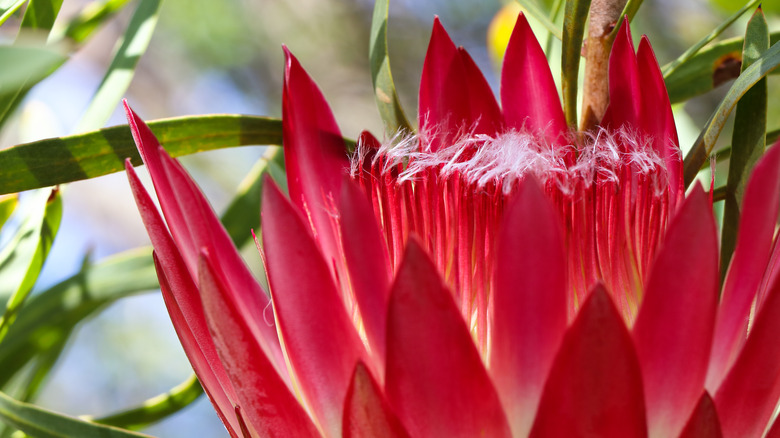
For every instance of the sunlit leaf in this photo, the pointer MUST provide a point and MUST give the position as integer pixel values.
(8, 204)
(41, 14)
(91, 17)
(131, 46)
(384, 89)
(8, 8)
(706, 141)
(23, 67)
(22, 258)
(747, 141)
(41, 423)
(65, 159)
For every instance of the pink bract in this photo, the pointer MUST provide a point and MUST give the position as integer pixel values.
(492, 275)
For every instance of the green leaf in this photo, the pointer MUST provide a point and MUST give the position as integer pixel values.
(47, 319)
(724, 154)
(748, 138)
(243, 213)
(90, 18)
(557, 6)
(708, 69)
(629, 11)
(65, 159)
(23, 67)
(8, 204)
(384, 89)
(573, 30)
(41, 14)
(533, 10)
(22, 259)
(156, 408)
(8, 8)
(114, 84)
(41, 423)
(706, 141)
(693, 50)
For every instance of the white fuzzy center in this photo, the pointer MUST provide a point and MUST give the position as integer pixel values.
(510, 156)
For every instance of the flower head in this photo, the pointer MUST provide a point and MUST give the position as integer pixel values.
(492, 275)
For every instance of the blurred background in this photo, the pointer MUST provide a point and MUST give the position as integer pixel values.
(226, 57)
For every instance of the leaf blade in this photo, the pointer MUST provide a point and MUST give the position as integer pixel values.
(41, 423)
(22, 259)
(66, 159)
(573, 31)
(706, 141)
(381, 76)
(120, 72)
(748, 139)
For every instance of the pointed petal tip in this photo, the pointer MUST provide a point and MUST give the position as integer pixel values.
(439, 30)
(367, 139)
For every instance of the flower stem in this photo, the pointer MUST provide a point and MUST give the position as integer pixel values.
(603, 19)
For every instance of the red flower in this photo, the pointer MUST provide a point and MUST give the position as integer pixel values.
(493, 275)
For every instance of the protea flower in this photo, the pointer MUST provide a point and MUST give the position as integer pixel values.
(493, 275)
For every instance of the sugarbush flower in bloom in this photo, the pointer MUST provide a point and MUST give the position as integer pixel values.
(492, 275)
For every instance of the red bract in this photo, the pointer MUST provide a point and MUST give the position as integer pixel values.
(493, 275)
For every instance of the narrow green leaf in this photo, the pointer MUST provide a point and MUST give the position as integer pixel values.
(23, 67)
(44, 363)
(8, 204)
(65, 159)
(41, 423)
(706, 141)
(156, 408)
(41, 14)
(674, 65)
(243, 213)
(724, 154)
(47, 319)
(8, 8)
(747, 141)
(94, 14)
(384, 89)
(131, 46)
(629, 11)
(533, 10)
(554, 13)
(708, 69)
(26, 65)
(573, 30)
(22, 259)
